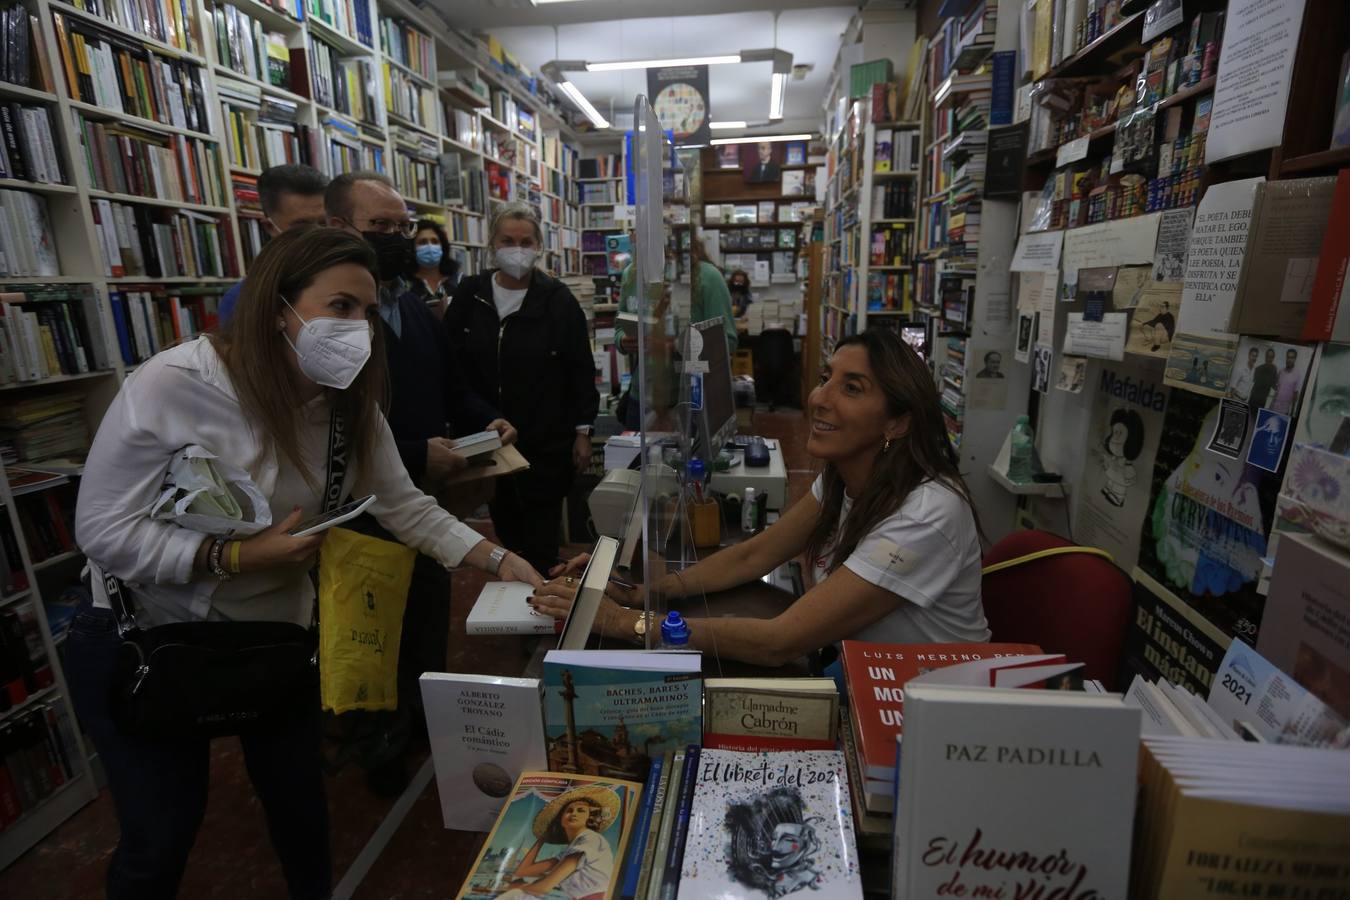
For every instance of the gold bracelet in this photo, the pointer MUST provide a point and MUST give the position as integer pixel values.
(234, 555)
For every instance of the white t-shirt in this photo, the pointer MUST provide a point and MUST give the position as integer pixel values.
(593, 873)
(506, 300)
(927, 553)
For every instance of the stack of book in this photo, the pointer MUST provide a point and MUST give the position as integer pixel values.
(44, 332)
(978, 758)
(153, 318)
(704, 823)
(126, 160)
(243, 45)
(118, 73)
(875, 675)
(1248, 819)
(45, 426)
(28, 150)
(48, 520)
(38, 754)
(162, 243)
(26, 245)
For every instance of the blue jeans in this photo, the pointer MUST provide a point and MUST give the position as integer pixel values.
(159, 786)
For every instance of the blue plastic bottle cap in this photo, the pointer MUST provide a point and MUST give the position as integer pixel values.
(695, 469)
(674, 630)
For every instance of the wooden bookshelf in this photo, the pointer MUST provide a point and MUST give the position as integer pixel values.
(544, 171)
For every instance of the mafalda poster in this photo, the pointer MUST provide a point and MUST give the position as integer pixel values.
(1210, 511)
(1127, 422)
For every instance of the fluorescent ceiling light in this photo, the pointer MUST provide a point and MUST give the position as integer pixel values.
(583, 104)
(760, 138)
(723, 126)
(777, 94)
(661, 63)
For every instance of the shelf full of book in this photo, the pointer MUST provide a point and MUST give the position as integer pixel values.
(130, 150)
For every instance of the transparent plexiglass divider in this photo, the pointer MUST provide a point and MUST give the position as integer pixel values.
(664, 304)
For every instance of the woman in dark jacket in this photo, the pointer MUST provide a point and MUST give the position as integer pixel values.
(526, 350)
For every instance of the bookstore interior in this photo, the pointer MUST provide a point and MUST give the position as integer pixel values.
(928, 420)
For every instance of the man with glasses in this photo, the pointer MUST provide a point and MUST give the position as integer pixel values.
(429, 401)
(291, 196)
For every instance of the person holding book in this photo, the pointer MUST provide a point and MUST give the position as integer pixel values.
(585, 867)
(260, 396)
(430, 400)
(888, 527)
(527, 349)
(437, 271)
(290, 195)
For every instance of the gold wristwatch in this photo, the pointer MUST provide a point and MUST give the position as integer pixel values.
(642, 625)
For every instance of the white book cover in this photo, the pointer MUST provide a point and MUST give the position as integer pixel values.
(484, 731)
(472, 445)
(770, 825)
(502, 607)
(1015, 792)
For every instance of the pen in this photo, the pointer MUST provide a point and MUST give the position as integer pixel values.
(621, 583)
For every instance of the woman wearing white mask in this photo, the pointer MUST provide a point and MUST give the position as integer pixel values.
(299, 354)
(526, 350)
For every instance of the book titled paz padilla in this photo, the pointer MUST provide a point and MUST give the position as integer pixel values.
(558, 837)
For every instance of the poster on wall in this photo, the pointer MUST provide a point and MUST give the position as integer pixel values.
(680, 100)
(1252, 90)
(1128, 405)
(1153, 321)
(1202, 352)
(1210, 512)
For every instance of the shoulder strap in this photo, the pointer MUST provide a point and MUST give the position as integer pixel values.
(337, 460)
(1042, 554)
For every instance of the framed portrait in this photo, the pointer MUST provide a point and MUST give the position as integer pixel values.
(761, 162)
(729, 156)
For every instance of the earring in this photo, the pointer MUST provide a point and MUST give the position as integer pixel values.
(886, 446)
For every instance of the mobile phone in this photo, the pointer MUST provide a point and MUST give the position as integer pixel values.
(325, 521)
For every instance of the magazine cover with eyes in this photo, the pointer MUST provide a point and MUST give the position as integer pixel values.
(770, 825)
(560, 837)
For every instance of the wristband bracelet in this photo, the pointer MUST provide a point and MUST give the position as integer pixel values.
(494, 560)
(234, 556)
(213, 559)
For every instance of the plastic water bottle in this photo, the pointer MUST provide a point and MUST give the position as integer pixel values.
(674, 632)
(1020, 465)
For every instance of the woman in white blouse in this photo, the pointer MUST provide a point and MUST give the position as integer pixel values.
(888, 528)
(259, 396)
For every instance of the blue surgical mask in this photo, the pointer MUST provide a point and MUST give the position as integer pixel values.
(429, 255)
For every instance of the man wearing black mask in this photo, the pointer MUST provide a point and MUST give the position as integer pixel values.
(424, 411)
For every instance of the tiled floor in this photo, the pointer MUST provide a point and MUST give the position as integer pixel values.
(233, 857)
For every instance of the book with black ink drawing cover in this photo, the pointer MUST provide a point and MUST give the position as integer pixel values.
(770, 825)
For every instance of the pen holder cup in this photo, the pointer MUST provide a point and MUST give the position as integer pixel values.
(706, 521)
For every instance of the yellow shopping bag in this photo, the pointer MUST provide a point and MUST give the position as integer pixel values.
(363, 588)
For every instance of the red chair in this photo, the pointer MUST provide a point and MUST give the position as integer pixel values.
(1075, 602)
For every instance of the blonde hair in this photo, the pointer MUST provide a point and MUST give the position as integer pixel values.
(517, 210)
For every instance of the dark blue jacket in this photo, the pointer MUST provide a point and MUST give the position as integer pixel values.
(430, 395)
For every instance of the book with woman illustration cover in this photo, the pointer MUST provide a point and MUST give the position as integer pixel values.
(770, 825)
(560, 837)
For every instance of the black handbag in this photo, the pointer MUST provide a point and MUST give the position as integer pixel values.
(211, 679)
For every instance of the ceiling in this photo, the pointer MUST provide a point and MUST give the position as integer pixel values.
(603, 30)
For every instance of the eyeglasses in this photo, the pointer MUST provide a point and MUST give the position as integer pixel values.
(384, 226)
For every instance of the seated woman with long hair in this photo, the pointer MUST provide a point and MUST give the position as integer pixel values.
(259, 396)
(888, 527)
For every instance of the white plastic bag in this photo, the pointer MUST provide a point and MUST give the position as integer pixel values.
(203, 493)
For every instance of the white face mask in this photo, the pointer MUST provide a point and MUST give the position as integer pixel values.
(516, 261)
(331, 351)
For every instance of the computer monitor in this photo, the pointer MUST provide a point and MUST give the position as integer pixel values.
(713, 414)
